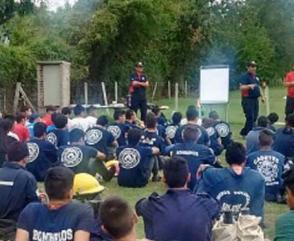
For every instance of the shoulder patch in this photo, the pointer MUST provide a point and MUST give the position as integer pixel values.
(223, 129)
(51, 137)
(34, 151)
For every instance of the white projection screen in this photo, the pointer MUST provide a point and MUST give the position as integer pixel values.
(214, 84)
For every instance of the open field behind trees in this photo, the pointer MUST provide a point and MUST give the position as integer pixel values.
(236, 119)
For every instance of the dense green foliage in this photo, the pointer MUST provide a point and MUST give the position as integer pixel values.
(104, 38)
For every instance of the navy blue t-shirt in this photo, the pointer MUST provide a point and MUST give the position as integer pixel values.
(178, 215)
(224, 131)
(99, 138)
(152, 139)
(215, 144)
(135, 165)
(247, 79)
(58, 137)
(18, 187)
(195, 155)
(43, 155)
(170, 132)
(43, 223)
(119, 132)
(270, 164)
(138, 92)
(284, 142)
(234, 192)
(203, 137)
(77, 158)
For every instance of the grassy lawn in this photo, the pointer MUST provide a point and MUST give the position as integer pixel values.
(236, 119)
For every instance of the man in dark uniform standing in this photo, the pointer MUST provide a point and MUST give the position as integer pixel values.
(250, 91)
(137, 90)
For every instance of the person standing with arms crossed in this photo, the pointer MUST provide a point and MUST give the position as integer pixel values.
(250, 91)
(137, 90)
(289, 84)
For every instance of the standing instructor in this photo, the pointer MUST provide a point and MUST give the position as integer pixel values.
(137, 90)
(250, 92)
(289, 84)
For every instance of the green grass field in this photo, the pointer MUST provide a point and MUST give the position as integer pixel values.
(236, 119)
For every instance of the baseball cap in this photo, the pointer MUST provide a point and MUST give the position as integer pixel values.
(139, 64)
(251, 63)
(17, 151)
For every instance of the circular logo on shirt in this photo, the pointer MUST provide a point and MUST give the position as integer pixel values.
(115, 131)
(210, 131)
(129, 158)
(93, 136)
(267, 166)
(223, 129)
(33, 152)
(51, 137)
(170, 132)
(71, 156)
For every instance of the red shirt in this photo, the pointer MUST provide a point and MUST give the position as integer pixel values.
(47, 120)
(22, 132)
(290, 78)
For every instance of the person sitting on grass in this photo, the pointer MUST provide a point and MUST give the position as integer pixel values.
(272, 118)
(79, 121)
(178, 214)
(43, 154)
(170, 130)
(285, 222)
(135, 161)
(83, 159)
(270, 164)
(118, 219)
(237, 188)
(131, 119)
(195, 154)
(59, 219)
(59, 136)
(252, 141)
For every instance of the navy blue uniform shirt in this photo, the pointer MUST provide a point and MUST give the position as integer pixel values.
(234, 192)
(43, 155)
(170, 132)
(135, 165)
(152, 139)
(18, 188)
(284, 142)
(178, 215)
(99, 138)
(224, 131)
(215, 141)
(203, 136)
(43, 223)
(270, 164)
(58, 137)
(138, 92)
(248, 79)
(195, 155)
(119, 132)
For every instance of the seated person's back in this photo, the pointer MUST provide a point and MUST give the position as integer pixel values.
(270, 164)
(237, 188)
(61, 218)
(135, 161)
(178, 214)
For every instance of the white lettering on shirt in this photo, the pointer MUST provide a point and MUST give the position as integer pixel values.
(187, 153)
(63, 235)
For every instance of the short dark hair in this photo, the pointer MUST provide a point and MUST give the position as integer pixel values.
(50, 108)
(24, 108)
(60, 121)
(117, 217)
(288, 177)
(118, 113)
(102, 120)
(262, 121)
(176, 172)
(213, 115)
(58, 182)
(207, 122)
(19, 117)
(129, 114)
(39, 129)
(191, 133)
(192, 113)
(265, 138)
(273, 117)
(66, 111)
(17, 151)
(290, 120)
(6, 125)
(78, 110)
(176, 118)
(156, 110)
(76, 135)
(151, 120)
(236, 153)
(134, 136)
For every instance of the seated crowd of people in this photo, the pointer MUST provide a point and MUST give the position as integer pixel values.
(59, 147)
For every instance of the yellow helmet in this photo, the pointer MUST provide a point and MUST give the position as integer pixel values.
(84, 184)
